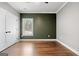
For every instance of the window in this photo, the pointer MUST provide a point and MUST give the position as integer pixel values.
(27, 27)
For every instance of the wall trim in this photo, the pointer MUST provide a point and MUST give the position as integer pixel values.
(9, 46)
(37, 39)
(73, 50)
(39, 12)
(61, 7)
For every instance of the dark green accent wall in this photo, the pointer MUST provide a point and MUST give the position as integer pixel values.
(44, 25)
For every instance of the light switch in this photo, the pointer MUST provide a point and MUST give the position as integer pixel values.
(48, 35)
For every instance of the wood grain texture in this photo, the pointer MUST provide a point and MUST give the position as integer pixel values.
(36, 48)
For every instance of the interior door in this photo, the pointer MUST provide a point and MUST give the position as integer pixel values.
(10, 29)
(2, 29)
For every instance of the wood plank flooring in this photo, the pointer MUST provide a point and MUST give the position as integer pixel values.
(36, 48)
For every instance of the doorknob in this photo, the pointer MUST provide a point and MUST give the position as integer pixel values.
(8, 32)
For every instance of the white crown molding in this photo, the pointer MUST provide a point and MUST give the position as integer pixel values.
(37, 39)
(49, 12)
(39, 12)
(61, 7)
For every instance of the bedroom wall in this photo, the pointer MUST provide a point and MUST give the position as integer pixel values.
(9, 8)
(44, 25)
(68, 25)
(9, 21)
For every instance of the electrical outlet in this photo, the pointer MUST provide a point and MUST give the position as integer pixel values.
(48, 35)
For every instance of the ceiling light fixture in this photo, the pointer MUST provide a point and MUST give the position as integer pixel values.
(46, 2)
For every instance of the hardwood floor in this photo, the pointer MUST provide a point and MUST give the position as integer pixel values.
(36, 48)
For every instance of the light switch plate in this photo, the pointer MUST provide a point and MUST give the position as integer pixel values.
(48, 35)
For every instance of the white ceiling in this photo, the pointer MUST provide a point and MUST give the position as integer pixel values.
(36, 7)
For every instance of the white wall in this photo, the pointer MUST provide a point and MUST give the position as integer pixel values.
(10, 9)
(9, 21)
(68, 25)
(7, 7)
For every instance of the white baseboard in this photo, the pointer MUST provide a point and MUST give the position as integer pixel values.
(8, 46)
(73, 50)
(37, 40)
